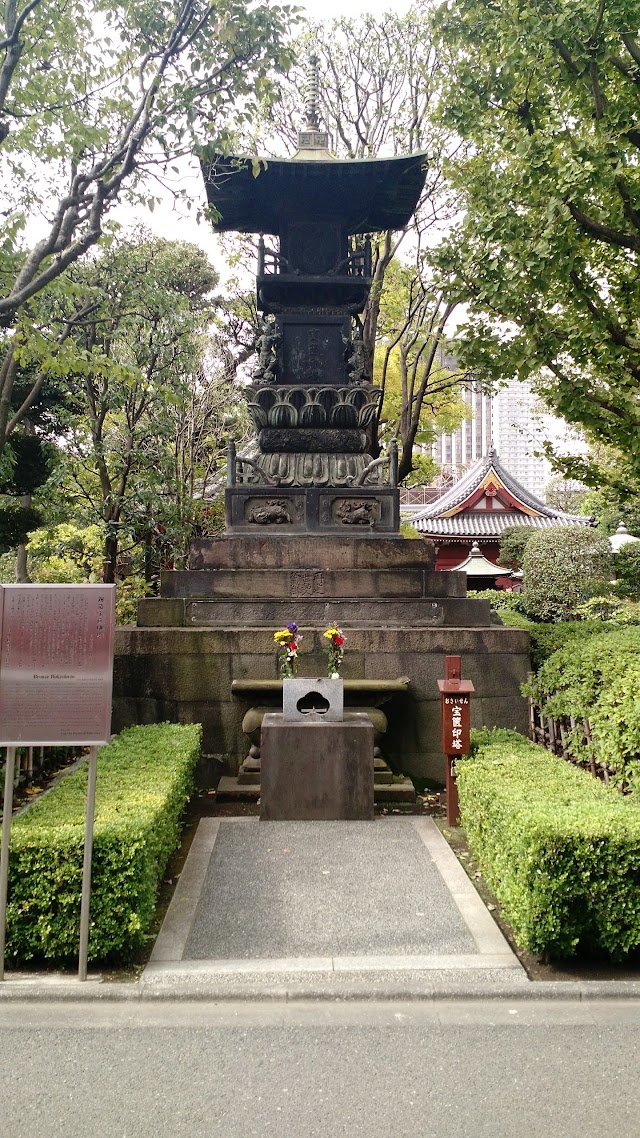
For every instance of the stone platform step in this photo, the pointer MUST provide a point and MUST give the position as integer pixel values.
(314, 584)
(249, 773)
(231, 790)
(279, 551)
(369, 612)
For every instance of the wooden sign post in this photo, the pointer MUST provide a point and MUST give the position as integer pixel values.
(455, 696)
(56, 675)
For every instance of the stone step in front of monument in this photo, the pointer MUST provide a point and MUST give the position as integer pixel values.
(371, 612)
(230, 789)
(276, 584)
(249, 773)
(266, 907)
(279, 551)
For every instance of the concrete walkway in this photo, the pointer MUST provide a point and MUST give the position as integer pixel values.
(294, 912)
(326, 904)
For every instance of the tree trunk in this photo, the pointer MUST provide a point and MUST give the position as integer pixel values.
(370, 319)
(148, 555)
(22, 573)
(405, 465)
(110, 559)
(8, 373)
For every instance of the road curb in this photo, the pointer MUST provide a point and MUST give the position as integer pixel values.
(75, 992)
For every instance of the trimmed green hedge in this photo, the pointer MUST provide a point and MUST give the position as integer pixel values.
(545, 638)
(144, 781)
(598, 679)
(549, 638)
(560, 850)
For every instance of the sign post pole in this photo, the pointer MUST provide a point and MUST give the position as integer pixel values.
(455, 695)
(7, 811)
(86, 867)
(453, 802)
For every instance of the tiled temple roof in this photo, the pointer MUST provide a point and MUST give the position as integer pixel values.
(488, 523)
(485, 523)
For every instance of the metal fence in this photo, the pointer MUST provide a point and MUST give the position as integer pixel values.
(555, 735)
(35, 765)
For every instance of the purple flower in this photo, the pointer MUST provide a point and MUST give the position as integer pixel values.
(292, 627)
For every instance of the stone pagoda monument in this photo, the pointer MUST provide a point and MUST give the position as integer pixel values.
(312, 519)
(313, 399)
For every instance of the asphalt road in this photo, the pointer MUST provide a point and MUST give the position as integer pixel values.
(438, 1069)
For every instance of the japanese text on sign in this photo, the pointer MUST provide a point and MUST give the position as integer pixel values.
(456, 723)
(56, 664)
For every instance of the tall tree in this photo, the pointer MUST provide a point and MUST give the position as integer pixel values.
(26, 465)
(212, 411)
(136, 353)
(420, 385)
(547, 255)
(93, 96)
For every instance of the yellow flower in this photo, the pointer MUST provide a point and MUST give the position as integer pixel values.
(282, 637)
(331, 632)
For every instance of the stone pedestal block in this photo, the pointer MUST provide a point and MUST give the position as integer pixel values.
(284, 551)
(314, 510)
(316, 771)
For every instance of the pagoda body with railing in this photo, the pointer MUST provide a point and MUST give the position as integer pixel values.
(312, 399)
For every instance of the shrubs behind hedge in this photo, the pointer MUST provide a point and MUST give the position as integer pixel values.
(560, 850)
(561, 566)
(144, 781)
(597, 679)
(500, 599)
(627, 562)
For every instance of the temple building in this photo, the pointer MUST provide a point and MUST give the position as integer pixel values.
(478, 509)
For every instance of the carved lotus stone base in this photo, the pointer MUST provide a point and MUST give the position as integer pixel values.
(315, 470)
(323, 510)
(316, 405)
(325, 440)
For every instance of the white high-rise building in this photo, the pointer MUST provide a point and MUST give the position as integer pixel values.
(515, 423)
(456, 450)
(519, 426)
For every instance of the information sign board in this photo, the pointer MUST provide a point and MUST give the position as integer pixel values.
(455, 697)
(456, 724)
(56, 664)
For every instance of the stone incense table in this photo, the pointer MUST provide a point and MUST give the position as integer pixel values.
(365, 696)
(317, 760)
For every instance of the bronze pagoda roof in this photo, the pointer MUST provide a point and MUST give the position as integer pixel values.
(369, 194)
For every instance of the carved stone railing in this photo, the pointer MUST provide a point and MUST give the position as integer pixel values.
(357, 264)
(235, 463)
(390, 460)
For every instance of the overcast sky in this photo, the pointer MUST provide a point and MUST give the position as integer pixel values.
(327, 9)
(178, 224)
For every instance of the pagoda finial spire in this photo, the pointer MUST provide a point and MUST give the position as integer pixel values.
(313, 143)
(313, 94)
